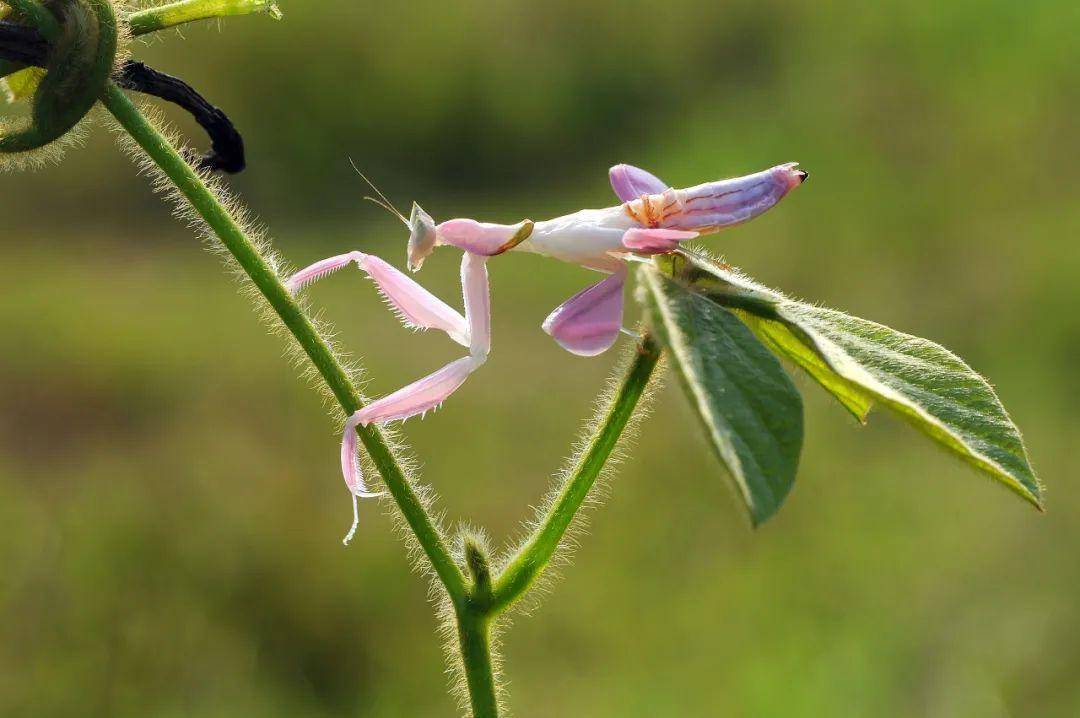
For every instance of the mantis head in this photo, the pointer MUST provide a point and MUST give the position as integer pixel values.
(479, 238)
(422, 237)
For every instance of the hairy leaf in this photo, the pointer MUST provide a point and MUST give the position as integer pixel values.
(747, 404)
(860, 361)
(786, 343)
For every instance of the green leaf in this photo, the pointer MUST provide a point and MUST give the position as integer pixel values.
(860, 361)
(747, 404)
(786, 343)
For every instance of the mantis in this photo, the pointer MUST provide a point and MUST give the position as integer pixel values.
(653, 218)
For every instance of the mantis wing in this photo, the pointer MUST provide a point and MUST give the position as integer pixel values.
(631, 182)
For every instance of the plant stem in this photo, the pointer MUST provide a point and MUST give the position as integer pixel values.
(474, 638)
(531, 559)
(486, 601)
(476, 603)
(178, 13)
(265, 278)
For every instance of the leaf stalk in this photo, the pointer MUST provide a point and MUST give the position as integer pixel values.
(522, 570)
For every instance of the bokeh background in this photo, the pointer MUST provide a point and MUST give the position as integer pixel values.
(169, 494)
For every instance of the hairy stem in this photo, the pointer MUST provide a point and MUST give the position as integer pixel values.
(266, 279)
(178, 13)
(529, 562)
(486, 600)
(477, 601)
(474, 638)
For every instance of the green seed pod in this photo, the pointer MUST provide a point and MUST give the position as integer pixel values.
(83, 47)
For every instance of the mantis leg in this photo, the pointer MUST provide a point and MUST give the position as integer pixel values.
(420, 309)
(354, 478)
(426, 394)
(415, 306)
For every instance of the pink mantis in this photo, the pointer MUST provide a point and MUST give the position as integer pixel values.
(652, 219)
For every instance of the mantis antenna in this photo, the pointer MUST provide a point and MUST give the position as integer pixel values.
(382, 201)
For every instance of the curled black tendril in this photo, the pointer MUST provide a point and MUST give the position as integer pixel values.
(25, 45)
(226, 153)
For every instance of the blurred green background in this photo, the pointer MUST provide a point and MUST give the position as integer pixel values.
(169, 489)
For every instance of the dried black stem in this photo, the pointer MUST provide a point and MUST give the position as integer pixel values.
(226, 153)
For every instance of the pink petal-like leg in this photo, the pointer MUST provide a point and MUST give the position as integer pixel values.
(414, 305)
(588, 323)
(655, 241)
(314, 272)
(418, 308)
(426, 394)
(354, 478)
(631, 182)
(422, 395)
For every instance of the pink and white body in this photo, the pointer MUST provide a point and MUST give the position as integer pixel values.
(652, 219)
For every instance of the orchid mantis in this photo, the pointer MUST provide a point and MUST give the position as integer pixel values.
(652, 219)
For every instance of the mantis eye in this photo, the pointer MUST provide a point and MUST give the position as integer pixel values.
(422, 237)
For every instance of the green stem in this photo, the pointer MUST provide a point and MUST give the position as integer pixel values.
(485, 601)
(474, 638)
(477, 601)
(262, 274)
(531, 559)
(185, 11)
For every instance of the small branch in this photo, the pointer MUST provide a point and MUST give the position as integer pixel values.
(179, 13)
(529, 562)
(476, 561)
(267, 281)
(485, 601)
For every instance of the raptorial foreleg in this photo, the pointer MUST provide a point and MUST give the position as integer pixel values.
(420, 309)
(426, 394)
